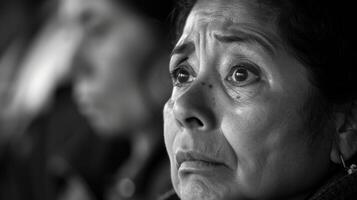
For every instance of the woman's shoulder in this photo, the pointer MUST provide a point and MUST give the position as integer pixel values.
(339, 187)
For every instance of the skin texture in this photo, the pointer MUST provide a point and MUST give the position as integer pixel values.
(254, 130)
(107, 86)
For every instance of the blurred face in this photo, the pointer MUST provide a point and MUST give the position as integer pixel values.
(236, 120)
(107, 85)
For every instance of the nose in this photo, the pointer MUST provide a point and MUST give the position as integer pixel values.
(194, 109)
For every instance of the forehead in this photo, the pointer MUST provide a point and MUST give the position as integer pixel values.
(231, 21)
(224, 15)
(224, 9)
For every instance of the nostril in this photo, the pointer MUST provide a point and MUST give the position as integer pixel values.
(194, 122)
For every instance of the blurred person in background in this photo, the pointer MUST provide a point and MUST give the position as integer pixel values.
(37, 46)
(116, 52)
(121, 84)
(21, 22)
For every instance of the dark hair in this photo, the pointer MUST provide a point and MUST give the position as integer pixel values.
(320, 33)
(180, 13)
(154, 10)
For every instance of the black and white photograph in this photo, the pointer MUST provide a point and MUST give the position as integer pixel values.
(178, 100)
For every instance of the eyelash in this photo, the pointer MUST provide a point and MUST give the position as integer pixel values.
(252, 70)
(175, 76)
(187, 74)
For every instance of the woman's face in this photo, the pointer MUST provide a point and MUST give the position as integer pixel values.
(107, 86)
(236, 123)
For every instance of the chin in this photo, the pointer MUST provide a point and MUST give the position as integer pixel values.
(201, 188)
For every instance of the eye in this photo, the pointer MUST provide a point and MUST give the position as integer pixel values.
(182, 75)
(243, 74)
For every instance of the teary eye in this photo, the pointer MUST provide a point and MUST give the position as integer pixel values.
(182, 75)
(243, 74)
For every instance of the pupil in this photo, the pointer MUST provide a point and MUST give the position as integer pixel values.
(182, 76)
(241, 75)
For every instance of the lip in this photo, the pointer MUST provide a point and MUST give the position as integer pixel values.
(192, 161)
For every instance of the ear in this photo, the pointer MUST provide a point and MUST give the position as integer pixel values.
(346, 133)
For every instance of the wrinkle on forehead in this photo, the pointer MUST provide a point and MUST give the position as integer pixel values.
(256, 9)
(234, 10)
(224, 16)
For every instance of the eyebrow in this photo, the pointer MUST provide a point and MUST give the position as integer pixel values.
(185, 47)
(239, 36)
(266, 41)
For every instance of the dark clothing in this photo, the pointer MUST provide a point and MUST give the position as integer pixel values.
(340, 187)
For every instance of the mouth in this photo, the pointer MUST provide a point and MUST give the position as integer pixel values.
(191, 162)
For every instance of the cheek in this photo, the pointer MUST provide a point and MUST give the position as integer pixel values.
(170, 132)
(170, 128)
(246, 131)
(272, 146)
(256, 133)
(168, 124)
(246, 128)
